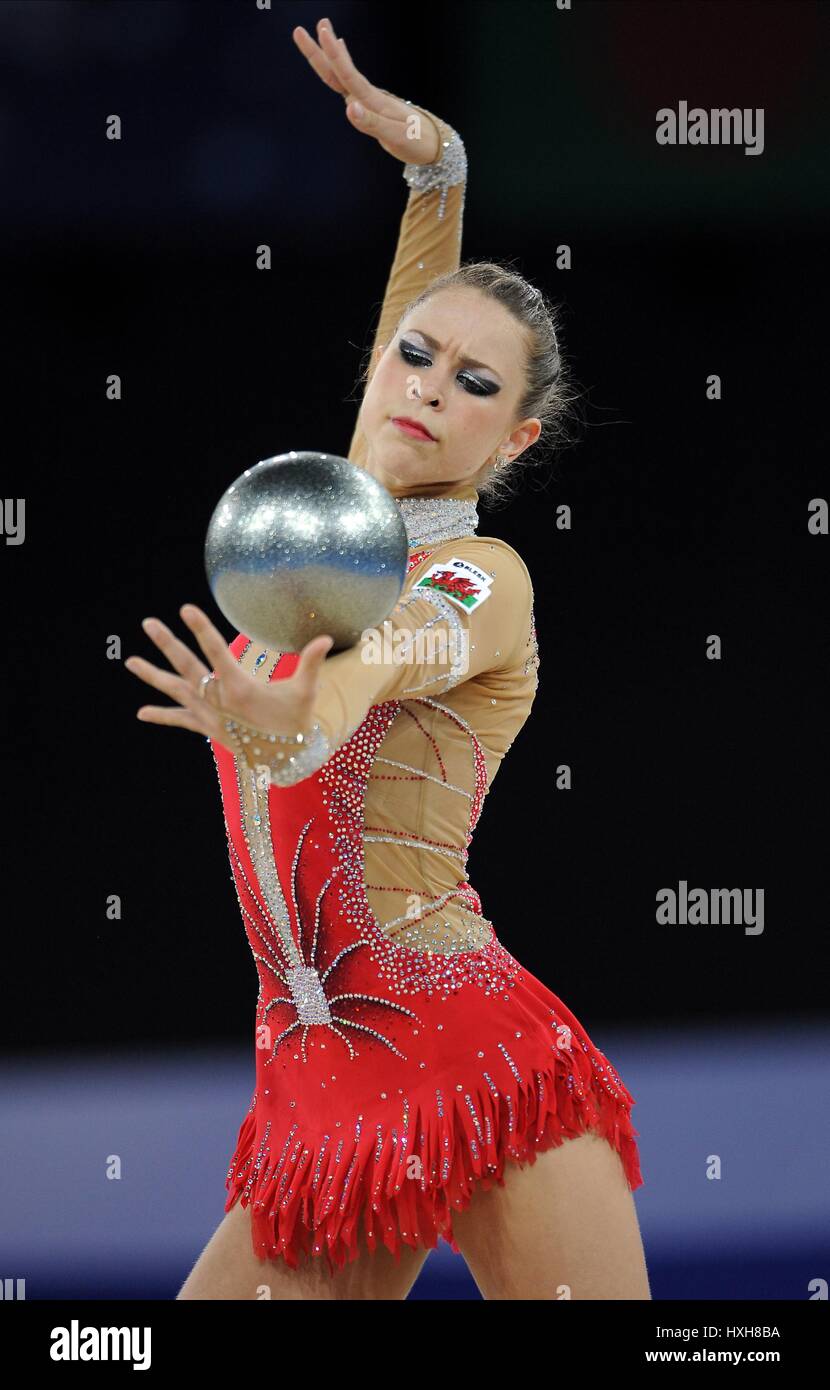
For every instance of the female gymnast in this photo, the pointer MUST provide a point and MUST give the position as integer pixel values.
(412, 1078)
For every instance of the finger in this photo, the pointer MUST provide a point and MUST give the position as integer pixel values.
(317, 59)
(388, 119)
(181, 657)
(342, 66)
(311, 660)
(210, 640)
(384, 116)
(388, 113)
(174, 686)
(383, 103)
(176, 718)
(155, 714)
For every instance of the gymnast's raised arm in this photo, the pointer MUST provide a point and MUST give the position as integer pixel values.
(435, 168)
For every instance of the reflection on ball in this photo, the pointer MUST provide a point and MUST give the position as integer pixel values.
(306, 543)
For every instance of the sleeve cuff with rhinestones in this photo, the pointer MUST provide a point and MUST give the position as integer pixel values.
(444, 173)
(288, 760)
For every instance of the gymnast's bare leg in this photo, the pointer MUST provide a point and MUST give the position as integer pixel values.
(564, 1227)
(228, 1269)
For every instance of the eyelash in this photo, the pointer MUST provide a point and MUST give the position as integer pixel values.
(415, 356)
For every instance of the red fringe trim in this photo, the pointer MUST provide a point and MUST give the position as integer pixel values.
(400, 1201)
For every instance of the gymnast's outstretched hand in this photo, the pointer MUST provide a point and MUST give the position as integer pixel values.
(280, 707)
(385, 117)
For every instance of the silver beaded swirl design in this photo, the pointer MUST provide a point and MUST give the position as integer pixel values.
(457, 639)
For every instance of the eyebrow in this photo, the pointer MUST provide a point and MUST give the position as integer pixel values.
(467, 361)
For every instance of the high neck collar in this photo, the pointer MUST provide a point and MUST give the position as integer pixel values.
(461, 491)
(448, 517)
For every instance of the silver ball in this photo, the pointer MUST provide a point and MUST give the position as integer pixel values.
(306, 543)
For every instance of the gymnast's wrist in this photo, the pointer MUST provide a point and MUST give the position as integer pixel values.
(447, 169)
(283, 758)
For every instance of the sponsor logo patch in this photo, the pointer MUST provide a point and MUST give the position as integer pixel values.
(460, 581)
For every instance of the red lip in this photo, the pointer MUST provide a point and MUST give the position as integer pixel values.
(413, 428)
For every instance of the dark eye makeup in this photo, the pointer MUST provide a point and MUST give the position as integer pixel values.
(473, 384)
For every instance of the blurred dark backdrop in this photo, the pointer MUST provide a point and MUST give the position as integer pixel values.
(689, 516)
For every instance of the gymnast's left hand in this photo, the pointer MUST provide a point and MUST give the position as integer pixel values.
(278, 707)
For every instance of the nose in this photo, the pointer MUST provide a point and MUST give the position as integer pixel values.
(425, 392)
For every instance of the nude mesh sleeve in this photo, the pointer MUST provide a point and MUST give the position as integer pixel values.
(430, 643)
(429, 243)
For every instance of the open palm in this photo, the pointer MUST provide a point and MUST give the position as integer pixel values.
(280, 707)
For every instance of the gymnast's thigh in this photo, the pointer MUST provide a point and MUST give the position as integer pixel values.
(228, 1269)
(563, 1227)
